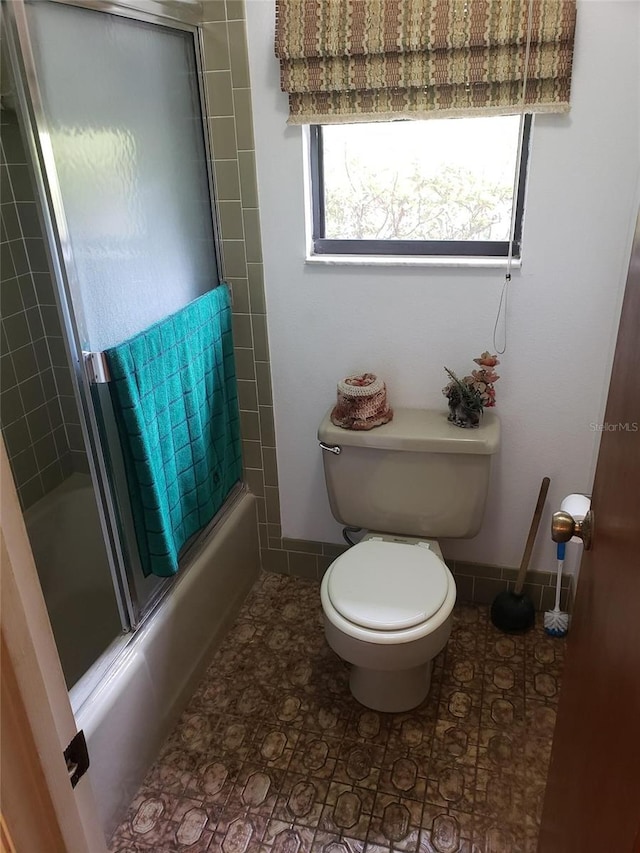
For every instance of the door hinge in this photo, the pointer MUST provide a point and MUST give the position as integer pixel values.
(77, 757)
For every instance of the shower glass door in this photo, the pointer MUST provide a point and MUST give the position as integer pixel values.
(121, 104)
(118, 122)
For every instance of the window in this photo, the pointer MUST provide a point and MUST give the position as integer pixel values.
(441, 187)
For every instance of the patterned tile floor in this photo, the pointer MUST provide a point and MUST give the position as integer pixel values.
(273, 754)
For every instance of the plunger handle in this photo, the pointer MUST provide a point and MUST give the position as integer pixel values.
(533, 531)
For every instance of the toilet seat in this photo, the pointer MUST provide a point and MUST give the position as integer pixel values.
(387, 586)
(350, 598)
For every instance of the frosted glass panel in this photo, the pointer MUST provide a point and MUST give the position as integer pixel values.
(121, 102)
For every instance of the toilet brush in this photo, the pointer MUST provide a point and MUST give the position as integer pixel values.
(556, 623)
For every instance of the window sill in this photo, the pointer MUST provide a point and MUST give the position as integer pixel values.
(407, 261)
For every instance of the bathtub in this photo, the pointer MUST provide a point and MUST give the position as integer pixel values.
(67, 546)
(130, 697)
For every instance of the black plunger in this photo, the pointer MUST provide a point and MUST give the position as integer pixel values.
(513, 611)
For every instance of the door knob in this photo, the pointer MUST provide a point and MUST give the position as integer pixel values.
(564, 526)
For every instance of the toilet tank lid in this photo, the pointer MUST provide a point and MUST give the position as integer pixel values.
(422, 430)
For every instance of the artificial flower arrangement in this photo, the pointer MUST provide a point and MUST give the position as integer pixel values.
(469, 397)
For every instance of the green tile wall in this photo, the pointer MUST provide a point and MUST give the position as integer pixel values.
(228, 95)
(38, 414)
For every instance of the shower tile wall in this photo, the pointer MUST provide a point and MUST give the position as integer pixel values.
(231, 133)
(37, 408)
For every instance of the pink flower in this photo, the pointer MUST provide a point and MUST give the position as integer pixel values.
(487, 360)
(490, 395)
(485, 375)
(480, 383)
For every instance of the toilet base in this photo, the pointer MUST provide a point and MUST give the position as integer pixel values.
(391, 691)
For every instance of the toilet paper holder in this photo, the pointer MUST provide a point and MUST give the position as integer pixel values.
(564, 526)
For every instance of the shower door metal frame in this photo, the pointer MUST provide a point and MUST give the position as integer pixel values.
(184, 15)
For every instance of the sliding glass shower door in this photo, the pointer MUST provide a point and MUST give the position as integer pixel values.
(121, 106)
(118, 131)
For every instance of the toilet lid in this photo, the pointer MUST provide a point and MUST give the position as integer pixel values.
(387, 586)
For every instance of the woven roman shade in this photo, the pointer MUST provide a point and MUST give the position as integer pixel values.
(376, 60)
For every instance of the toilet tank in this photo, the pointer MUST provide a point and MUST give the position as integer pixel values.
(418, 475)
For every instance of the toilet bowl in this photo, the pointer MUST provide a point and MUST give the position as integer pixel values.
(388, 605)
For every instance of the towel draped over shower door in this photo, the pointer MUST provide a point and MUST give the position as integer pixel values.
(175, 397)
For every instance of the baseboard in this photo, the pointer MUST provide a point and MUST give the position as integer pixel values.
(477, 583)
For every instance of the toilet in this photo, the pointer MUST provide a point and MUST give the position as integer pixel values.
(388, 600)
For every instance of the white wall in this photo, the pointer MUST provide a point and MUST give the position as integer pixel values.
(405, 324)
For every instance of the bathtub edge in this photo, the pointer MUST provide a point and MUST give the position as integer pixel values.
(164, 663)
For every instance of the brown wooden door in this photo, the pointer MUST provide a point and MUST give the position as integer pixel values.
(592, 802)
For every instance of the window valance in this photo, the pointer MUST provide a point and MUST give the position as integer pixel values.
(377, 60)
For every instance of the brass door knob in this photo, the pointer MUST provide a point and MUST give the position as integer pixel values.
(564, 526)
